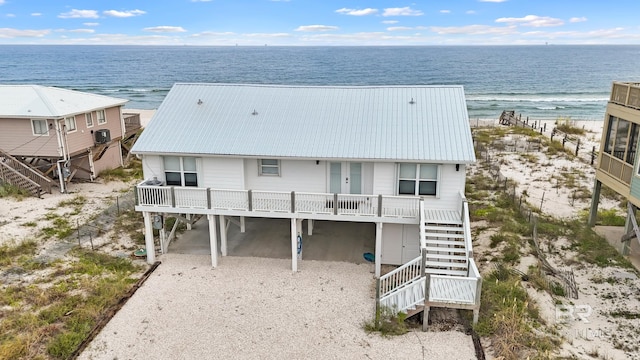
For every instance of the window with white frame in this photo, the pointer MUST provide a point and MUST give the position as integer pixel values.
(70, 124)
(418, 179)
(89, 118)
(101, 118)
(269, 167)
(180, 171)
(39, 127)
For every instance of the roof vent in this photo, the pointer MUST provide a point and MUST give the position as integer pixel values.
(411, 101)
(199, 101)
(254, 112)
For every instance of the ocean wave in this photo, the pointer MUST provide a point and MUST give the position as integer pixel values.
(536, 99)
(550, 107)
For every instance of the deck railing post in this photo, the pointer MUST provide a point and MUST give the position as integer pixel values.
(173, 196)
(135, 195)
(380, 205)
(250, 200)
(425, 315)
(293, 201)
(208, 198)
(335, 204)
(377, 318)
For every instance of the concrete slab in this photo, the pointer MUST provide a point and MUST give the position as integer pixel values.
(271, 238)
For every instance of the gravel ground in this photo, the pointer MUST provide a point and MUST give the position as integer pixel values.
(256, 308)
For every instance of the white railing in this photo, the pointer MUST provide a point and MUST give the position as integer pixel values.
(155, 195)
(397, 279)
(423, 229)
(400, 206)
(452, 289)
(412, 294)
(466, 225)
(271, 201)
(229, 199)
(279, 201)
(191, 197)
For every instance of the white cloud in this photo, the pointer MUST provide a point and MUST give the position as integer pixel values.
(212, 33)
(399, 28)
(124, 14)
(76, 14)
(1, 2)
(357, 12)
(390, 22)
(36, 14)
(470, 12)
(6, 33)
(314, 28)
(577, 19)
(445, 11)
(84, 31)
(10, 15)
(165, 29)
(404, 11)
(532, 20)
(473, 30)
(90, 24)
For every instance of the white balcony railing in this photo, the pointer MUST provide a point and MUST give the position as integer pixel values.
(278, 201)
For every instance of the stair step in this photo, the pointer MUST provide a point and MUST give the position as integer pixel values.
(443, 221)
(446, 272)
(442, 264)
(443, 242)
(431, 249)
(447, 257)
(444, 235)
(443, 228)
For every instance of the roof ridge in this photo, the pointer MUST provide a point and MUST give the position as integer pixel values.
(45, 99)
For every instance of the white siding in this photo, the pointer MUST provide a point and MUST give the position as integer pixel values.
(410, 242)
(384, 181)
(222, 173)
(295, 175)
(152, 167)
(449, 186)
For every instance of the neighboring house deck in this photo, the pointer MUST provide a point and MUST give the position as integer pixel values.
(617, 166)
(391, 156)
(50, 135)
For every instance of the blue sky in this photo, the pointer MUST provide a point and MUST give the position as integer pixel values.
(319, 22)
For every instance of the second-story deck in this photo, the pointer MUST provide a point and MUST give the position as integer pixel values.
(277, 204)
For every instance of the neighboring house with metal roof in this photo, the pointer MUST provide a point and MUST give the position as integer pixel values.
(60, 133)
(392, 156)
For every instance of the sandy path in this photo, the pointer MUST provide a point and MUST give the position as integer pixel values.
(254, 308)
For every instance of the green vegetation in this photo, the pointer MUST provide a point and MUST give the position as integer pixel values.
(8, 190)
(508, 318)
(132, 171)
(567, 126)
(51, 318)
(387, 322)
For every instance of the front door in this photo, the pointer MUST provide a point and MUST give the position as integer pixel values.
(345, 178)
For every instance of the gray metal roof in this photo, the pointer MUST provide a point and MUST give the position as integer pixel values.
(35, 101)
(405, 123)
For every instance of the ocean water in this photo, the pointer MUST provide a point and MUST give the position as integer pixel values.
(537, 81)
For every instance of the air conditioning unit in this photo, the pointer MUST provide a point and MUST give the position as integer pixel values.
(103, 136)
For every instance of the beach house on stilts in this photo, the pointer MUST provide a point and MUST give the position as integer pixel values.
(49, 135)
(391, 156)
(618, 166)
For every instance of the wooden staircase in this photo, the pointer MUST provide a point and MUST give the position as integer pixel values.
(445, 275)
(21, 175)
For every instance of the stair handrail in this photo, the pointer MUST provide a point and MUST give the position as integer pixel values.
(37, 186)
(466, 224)
(423, 228)
(404, 275)
(25, 170)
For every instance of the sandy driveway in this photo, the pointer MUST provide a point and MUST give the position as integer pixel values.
(256, 308)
